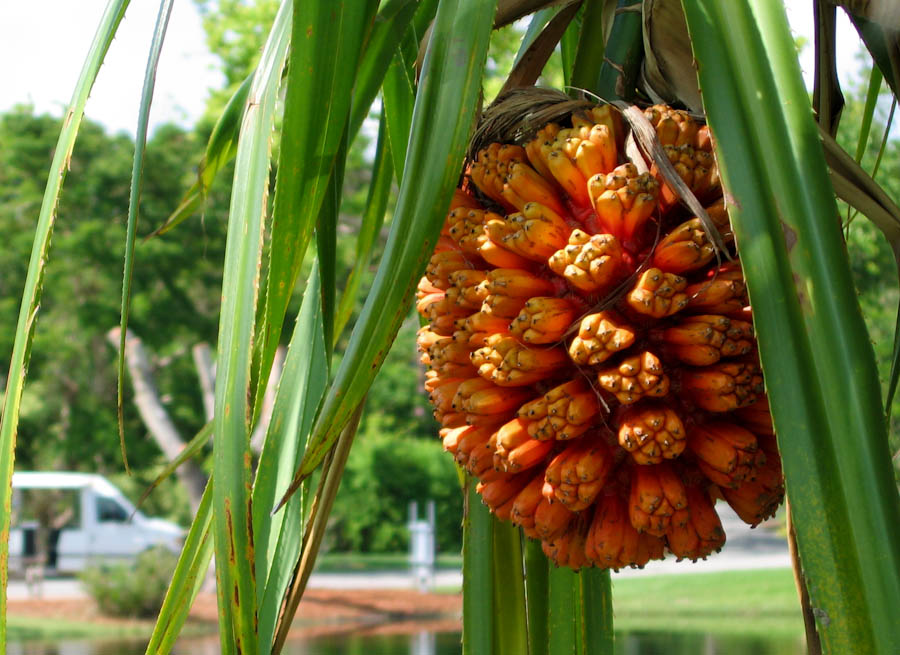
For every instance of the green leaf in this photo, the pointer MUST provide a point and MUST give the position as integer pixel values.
(819, 366)
(537, 590)
(191, 449)
(596, 611)
(332, 472)
(392, 19)
(231, 451)
(538, 22)
(325, 50)
(302, 385)
(478, 586)
(587, 58)
(875, 79)
(326, 245)
(31, 296)
(399, 96)
(447, 95)
(623, 53)
(510, 626)
(531, 61)
(186, 580)
(565, 610)
(423, 17)
(220, 149)
(372, 220)
(568, 46)
(134, 201)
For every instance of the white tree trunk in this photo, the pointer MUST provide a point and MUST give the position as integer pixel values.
(265, 412)
(206, 371)
(155, 416)
(157, 420)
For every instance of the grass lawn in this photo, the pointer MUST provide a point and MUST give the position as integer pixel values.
(752, 603)
(21, 628)
(30, 628)
(745, 603)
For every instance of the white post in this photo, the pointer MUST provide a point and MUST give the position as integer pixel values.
(421, 546)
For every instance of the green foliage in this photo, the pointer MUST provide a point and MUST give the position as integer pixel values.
(69, 408)
(134, 590)
(235, 31)
(383, 474)
(759, 603)
(504, 45)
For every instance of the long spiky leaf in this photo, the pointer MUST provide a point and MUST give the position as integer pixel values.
(316, 107)
(231, 448)
(398, 94)
(300, 390)
(191, 449)
(819, 366)
(134, 200)
(596, 611)
(31, 296)
(511, 624)
(331, 480)
(392, 19)
(537, 572)
(565, 610)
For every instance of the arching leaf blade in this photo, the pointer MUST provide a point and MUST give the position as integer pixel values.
(398, 95)
(819, 365)
(326, 44)
(392, 19)
(300, 390)
(31, 295)
(134, 200)
(240, 287)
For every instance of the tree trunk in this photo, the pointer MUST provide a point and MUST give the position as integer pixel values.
(155, 416)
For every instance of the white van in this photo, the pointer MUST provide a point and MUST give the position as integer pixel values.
(85, 521)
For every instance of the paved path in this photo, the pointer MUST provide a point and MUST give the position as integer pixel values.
(745, 549)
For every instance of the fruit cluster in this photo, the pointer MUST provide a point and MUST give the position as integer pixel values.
(590, 357)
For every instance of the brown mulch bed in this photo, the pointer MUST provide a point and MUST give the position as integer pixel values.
(322, 611)
(335, 605)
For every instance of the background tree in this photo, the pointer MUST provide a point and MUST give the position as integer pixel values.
(67, 421)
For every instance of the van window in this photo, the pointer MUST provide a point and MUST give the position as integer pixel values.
(109, 511)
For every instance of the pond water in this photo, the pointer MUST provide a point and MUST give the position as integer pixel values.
(434, 643)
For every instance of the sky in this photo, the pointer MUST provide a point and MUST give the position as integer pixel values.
(44, 42)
